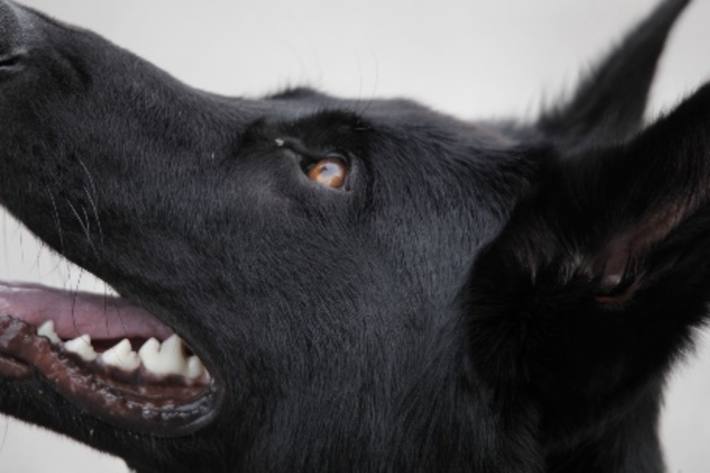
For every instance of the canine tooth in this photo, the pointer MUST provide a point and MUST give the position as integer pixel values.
(47, 330)
(166, 358)
(81, 346)
(195, 368)
(121, 356)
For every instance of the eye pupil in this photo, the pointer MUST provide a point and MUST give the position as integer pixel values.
(329, 173)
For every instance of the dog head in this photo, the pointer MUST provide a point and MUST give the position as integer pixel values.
(367, 283)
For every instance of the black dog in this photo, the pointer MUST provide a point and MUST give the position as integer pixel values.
(373, 287)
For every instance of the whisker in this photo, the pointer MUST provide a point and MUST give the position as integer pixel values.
(74, 298)
(4, 237)
(92, 196)
(57, 219)
(84, 226)
(21, 239)
(4, 434)
(94, 209)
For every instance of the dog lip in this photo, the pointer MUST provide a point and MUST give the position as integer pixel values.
(12, 368)
(166, 411)
(24, 307)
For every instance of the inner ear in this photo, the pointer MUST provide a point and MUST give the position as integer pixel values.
(620, 262)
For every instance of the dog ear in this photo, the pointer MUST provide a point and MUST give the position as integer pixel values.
(612, 216)
(609, 104)
(602, 271)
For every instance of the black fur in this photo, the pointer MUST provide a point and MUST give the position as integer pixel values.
(485, 297)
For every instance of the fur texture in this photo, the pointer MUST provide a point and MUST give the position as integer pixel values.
(486, 297)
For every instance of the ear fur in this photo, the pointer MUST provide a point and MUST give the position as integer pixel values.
(606, 214)
(602, 272)
(609, 104)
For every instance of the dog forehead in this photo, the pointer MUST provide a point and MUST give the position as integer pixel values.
(402, 118)
(303, 102)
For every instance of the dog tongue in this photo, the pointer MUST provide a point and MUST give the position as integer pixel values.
(78, 313)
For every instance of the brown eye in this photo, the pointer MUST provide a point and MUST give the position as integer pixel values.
(329, 172)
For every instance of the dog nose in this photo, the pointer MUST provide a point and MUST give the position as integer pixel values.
(10, 29)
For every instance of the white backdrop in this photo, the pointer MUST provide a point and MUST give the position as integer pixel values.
(472, 58)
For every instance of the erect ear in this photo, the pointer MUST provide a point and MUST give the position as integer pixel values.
(609, 104)
(604, 265)
(624, 217)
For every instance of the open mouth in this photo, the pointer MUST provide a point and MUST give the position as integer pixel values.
(110, 358)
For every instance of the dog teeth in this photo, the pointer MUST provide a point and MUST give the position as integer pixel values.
(47, 330)
(195, 369)
(162, 359)
(166, 358)
(121, 356)
(149, 354)
(81, 346)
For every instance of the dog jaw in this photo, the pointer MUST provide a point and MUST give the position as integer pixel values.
(128, 388)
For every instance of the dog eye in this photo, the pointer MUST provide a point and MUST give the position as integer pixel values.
(328, 172)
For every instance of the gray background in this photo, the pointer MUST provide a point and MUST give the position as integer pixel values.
(471, 58)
